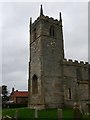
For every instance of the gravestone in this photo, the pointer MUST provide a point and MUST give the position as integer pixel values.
(36, 113)
(59, 114)
(77, 112)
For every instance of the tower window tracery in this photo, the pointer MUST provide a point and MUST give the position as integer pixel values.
(52, 32)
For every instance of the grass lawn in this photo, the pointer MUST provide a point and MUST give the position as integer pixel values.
(28, 114)
(0, 114)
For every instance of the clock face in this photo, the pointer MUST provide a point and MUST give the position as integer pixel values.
(52, 44)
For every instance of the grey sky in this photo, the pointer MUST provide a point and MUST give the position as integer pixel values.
(15, 33)
(0, 46)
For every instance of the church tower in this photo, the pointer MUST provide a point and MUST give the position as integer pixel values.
(45, 70)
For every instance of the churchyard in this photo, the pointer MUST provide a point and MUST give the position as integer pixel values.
(30, 114)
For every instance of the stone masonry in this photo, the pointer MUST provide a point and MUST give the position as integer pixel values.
(54, 82)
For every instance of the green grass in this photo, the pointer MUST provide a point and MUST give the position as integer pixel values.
(28, 114)
(0, 113)
(68, 113)
(85, 117)
(21, 112)
(9, 112)
(47, 113)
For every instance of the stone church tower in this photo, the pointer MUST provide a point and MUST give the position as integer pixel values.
(54, 81)
(46, 52)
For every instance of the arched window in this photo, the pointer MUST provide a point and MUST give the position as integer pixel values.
(69, 95)
(52, 32)
(34, 84)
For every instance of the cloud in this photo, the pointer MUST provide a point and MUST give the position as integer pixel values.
(0, 44)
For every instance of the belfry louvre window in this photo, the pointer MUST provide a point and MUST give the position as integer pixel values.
(52, 32)
(34, 84)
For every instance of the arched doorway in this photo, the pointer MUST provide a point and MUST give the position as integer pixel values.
(34, 84)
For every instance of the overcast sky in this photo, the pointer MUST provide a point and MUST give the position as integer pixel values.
(15, 36)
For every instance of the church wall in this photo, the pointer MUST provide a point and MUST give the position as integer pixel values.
(51, 77)
(75, 81)
(83, 96)
(35, 69)
(51, 54)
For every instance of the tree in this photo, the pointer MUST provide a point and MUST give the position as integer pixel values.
(4, 93)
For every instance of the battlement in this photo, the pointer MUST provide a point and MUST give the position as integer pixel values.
(75, 62)
(52, 20)
(47, 18)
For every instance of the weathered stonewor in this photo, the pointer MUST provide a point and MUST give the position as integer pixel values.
(54, 81)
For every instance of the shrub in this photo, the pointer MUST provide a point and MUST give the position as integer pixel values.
(14, 105)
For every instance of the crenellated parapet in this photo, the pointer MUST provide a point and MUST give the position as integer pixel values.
(75, 63)
(51, 20)
(48, 19)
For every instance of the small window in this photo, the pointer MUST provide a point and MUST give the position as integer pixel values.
(34, 33)
(52, 33)
(69, 94)
(34, 84)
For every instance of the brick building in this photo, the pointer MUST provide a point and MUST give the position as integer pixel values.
(19, 97)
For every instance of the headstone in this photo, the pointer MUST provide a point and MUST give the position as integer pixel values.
(77, 112)
(59, 114)
(36, 113)
(16, 115)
